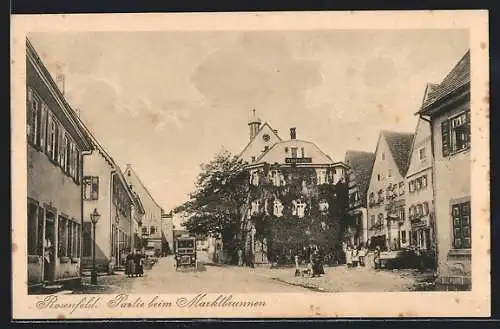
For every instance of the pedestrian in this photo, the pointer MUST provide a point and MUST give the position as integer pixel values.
(376, 259)
(362, 255)
(355, 257)
(130, 269)
(240, 257)
(139, 264)
(297, 266)
(348, 256)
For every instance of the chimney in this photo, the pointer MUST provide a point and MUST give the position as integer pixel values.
(293, 134)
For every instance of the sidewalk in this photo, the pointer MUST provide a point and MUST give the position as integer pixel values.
(342, 279)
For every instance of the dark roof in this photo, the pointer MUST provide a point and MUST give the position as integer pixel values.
(400, 145)
(361, 164)
(458, 77)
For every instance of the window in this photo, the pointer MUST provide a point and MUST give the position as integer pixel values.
(87, 239)
(424, 181)
(455, 133)
(411, 186)
(461, 225)
(426, 208)
(302, 151)
(286, 149)
(277, 208)
(51, 136)
(380, 219)
(420, 209)
(294, 152)
(372, 220)
(91, 188)
(144, 230)
(378, 177)
(401, 188)
(422, 156)
(33, 117)
(418, 183)
(298, 208)
(62, 150)
(253, 160)
(371, 198)
(62, 236)
(383, 156)
(153, 230)
(403, 236)
(389, 173)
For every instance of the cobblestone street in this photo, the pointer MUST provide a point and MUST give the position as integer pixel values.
(163, 278)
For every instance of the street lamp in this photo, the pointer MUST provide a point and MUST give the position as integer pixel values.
(94, 218)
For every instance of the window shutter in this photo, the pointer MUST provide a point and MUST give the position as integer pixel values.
(445, 137)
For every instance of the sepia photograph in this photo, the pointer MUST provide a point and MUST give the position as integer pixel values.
(225, 165)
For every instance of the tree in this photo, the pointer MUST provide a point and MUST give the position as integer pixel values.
(220, 201)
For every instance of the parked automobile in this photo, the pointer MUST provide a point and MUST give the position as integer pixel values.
(185, 253)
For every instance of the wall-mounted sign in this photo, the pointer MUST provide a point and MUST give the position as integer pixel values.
(298, 160)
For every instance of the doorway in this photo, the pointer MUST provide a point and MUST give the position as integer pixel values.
(49, 248)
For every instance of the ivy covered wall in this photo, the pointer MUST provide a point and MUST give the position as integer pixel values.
(296, 206)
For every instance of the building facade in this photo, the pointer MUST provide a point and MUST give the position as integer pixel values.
(105, 189)
(55, 142)
(448, 110)
(388, 225)
(420, 195)
(359, 173)
(151, 229)
(297, 198)
(167, 231)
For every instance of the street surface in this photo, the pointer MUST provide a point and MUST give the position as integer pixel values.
(163, 279)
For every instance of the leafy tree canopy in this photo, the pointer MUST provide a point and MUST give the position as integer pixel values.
(216, 206)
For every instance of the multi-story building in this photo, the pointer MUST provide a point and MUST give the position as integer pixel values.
(360, 170)
(447, 107)
(388, 227)
(151, 234)
(105, 189)
(56, 139)
(167, 232)
(420, 196)
(298, 196)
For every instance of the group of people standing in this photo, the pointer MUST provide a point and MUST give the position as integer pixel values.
(135, 264)
(355, 255)
(314, 260)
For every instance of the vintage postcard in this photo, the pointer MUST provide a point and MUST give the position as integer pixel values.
(278, 164)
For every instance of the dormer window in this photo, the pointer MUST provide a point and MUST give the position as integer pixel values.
(253, 159)
(294, 152)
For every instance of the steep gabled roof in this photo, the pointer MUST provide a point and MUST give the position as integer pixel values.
(361, 164)
(143, 186)
(400, 145)
(257, 134)
(456, 78)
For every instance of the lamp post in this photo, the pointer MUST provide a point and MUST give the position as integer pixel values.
(94, 218)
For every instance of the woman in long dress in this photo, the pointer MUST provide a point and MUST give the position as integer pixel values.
(139, 264)
(348, 256)
(130, 269)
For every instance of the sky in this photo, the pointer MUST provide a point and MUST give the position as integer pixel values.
(167, 101)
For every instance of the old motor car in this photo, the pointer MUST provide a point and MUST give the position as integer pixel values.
(185, 253)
